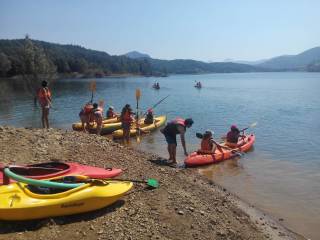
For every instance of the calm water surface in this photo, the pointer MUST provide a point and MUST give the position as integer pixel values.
(282, 173)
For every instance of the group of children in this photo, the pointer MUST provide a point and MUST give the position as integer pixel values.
(93, 113)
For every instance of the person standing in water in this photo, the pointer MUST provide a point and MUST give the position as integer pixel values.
(44, 98)
(170, 131)
(97, 116)
(126, 119)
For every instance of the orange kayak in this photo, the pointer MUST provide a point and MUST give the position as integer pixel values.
(195, 159)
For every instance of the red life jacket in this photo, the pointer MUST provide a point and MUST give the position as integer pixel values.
(110, 114)
(172, 127)
(127, 117)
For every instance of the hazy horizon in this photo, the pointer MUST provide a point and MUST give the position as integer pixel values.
(204, 30)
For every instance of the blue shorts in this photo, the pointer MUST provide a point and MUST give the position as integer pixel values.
(171, 139)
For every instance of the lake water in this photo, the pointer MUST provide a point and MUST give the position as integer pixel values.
(281, 175)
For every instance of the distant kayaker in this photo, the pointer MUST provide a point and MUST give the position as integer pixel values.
(208, 145)
(173, 128)
(44, 98)
(97, 116)
(233, 137)
(111, 113)
(85, 115)
(149, 118)
(126, 119)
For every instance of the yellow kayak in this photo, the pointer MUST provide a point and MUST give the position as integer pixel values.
(20, 201)
(108, 126)
(158, 122)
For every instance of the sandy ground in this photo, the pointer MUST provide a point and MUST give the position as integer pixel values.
(185, 206)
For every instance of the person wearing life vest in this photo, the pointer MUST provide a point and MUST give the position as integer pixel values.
(85, 115)
(97, 116)
(110, 113)
(126, 119)
(149, 118)
(44, 98)
(170, 131)
(233, 137)
(208, 145)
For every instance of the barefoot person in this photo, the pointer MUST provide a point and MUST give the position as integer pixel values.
(85, 116)
(97, 116)
(126, 119)
(44, 98)
(170, 131)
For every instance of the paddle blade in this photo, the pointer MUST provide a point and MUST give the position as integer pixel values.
(199, 135)
(152, 183)
(93, 86)
(253, 124)
(138, 94)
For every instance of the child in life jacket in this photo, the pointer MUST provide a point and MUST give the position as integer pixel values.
(97, 116)
(208, 145)
(111, 113)
(149, 117)
(126, 119)
(233, 137)
(85, 115)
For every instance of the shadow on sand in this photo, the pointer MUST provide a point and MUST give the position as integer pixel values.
(32, 225)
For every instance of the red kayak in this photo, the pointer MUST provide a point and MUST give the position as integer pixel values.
(195, 159)
(54, 169)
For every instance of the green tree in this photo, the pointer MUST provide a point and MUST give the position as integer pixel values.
(35, 67)
(5, 64)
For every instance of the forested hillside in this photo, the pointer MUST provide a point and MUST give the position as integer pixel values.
(71, 58)
(77, 59)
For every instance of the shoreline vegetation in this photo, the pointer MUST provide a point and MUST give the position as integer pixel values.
(27, 56)
(185, 206)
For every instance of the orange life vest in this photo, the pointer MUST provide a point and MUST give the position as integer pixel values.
(44, 96)
(206, 144)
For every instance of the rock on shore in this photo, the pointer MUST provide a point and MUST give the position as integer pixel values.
(186, 206)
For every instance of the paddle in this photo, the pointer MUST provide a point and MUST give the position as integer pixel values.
(138, 95)
(156, 104)
(150, 182)
(252, 125)
(93, 88)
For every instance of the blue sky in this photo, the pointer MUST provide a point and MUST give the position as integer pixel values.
(208, 30)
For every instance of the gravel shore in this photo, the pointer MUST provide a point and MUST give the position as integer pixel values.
(185, 206)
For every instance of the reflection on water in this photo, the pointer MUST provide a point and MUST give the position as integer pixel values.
(281, 175)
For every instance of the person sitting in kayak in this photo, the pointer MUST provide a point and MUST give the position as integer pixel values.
(126, 119)
(97, 116)
(208, 145)
(110, 113)
(84, 115)
(233, 137)
(170, 131)
(149, 118)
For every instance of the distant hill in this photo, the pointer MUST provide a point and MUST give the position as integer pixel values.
(136, 55)
(297, 62)
(185, 66)
(247, 62)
